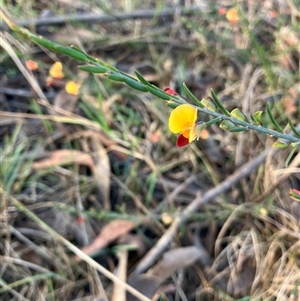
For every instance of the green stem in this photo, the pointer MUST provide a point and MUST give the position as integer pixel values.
(250, 126)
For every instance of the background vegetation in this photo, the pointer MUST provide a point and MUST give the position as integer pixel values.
(210, 221)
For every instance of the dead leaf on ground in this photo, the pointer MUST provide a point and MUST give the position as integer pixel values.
(149, 283)
(174, 260)
(109, 233)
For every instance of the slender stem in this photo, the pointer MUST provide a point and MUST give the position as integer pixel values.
(257, 128)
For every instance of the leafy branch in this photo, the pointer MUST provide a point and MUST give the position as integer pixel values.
(234, 121)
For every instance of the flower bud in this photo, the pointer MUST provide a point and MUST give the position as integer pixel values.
(209, 104)
(170, 91)
(278, 144)
(256, 118)
(227, 125)
(236, 113)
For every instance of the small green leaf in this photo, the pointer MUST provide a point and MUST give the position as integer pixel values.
(278, 144)
(239, 129)
(58, 48)
(133, 83)
(227, 125)
(238, 114)
(158, 93)
(108, 66)
(218, 103)
(116, 77)
(141, 79)
(253, 119)
(297, 133)
(208, 104)
(172, 104)
(213, 121)
(70, 52)
(274, 122)
(290, 156)
(93, 69)
(192, 96)
(257, 117)
(79, 51)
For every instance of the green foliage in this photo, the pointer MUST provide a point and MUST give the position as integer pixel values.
(230, 122)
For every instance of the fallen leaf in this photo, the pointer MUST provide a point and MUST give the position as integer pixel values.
(148, 284)
(108, 234)
(174, 260)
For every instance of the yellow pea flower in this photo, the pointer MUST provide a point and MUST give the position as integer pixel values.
(232, 15)
(56, 70)
(183, 121)
(72, 87)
